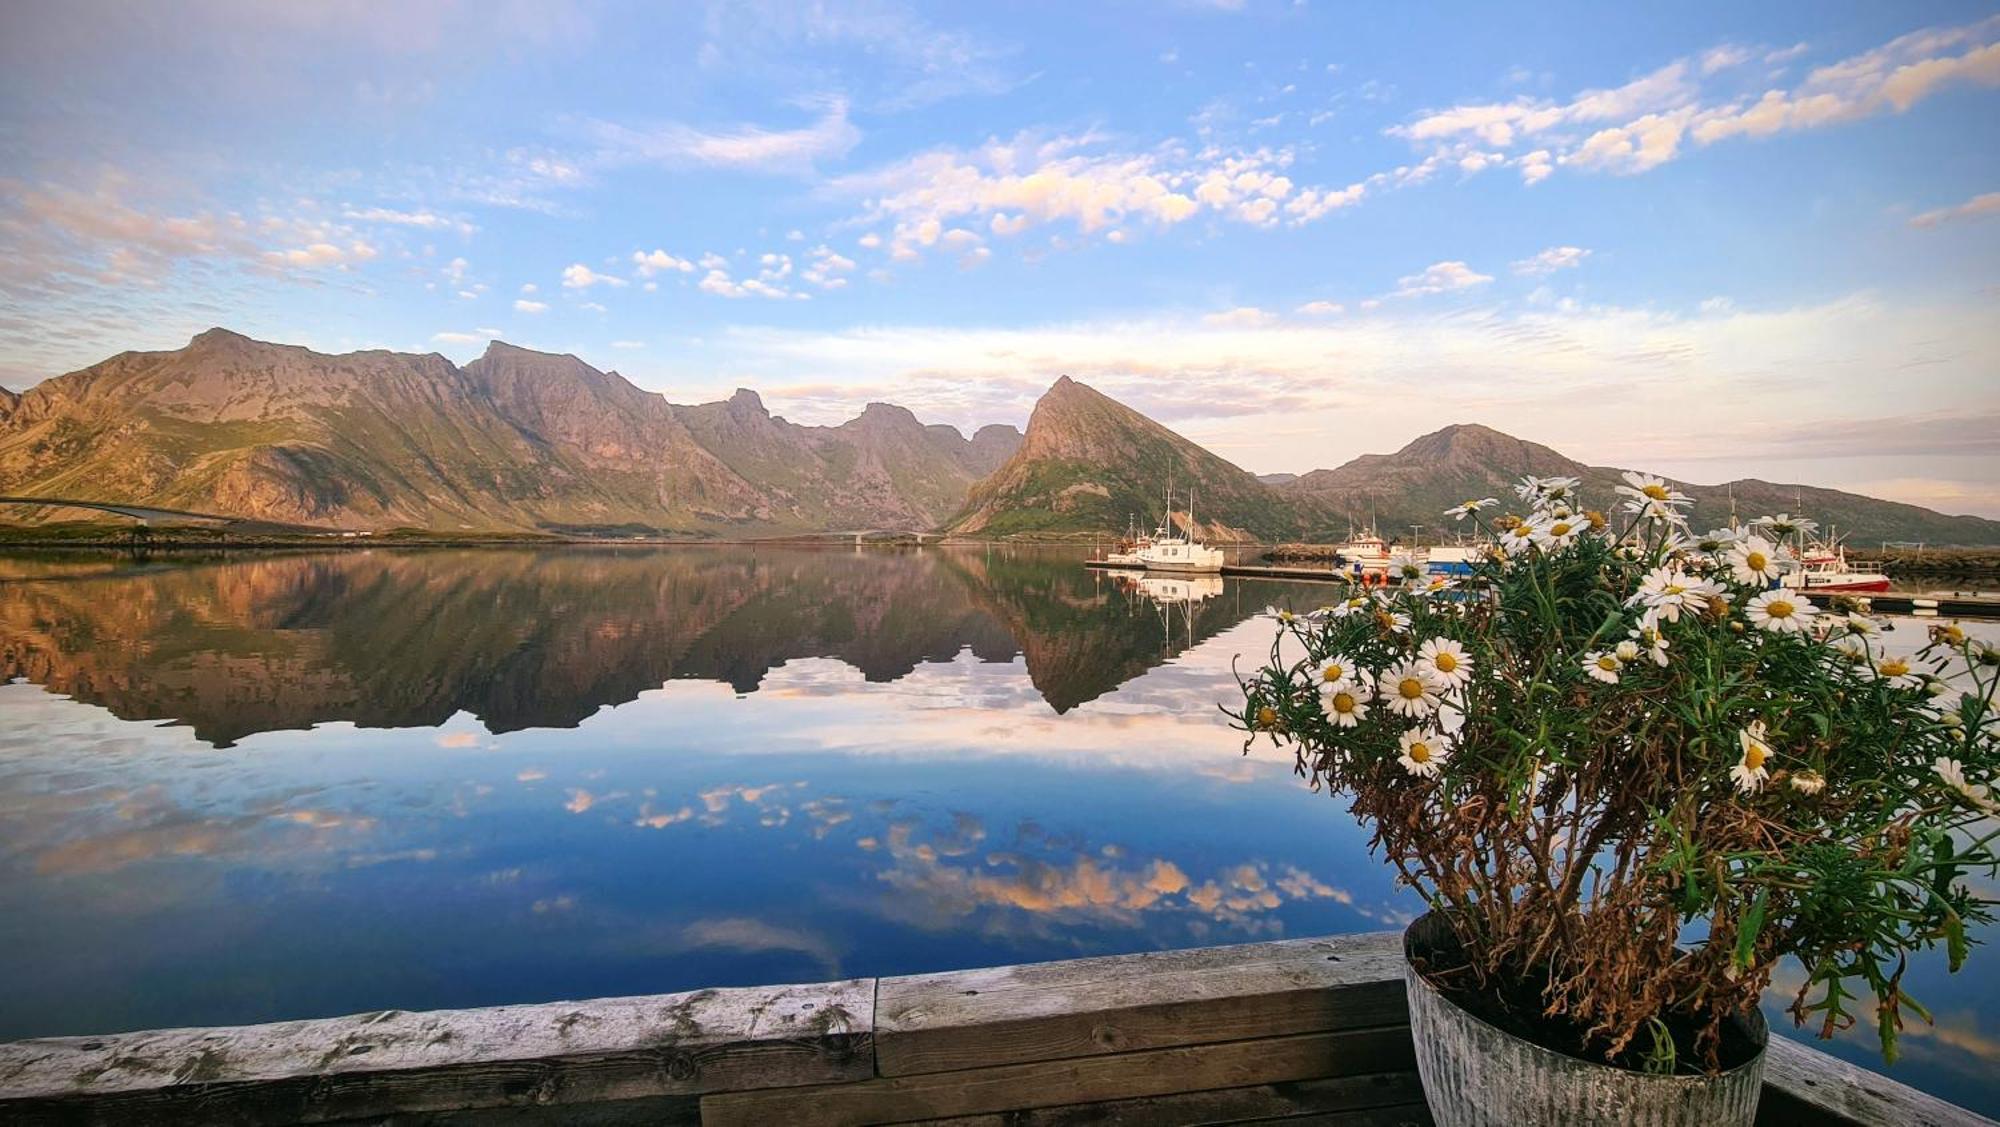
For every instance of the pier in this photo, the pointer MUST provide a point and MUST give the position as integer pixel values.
(1295, 1031)
(1936, 604)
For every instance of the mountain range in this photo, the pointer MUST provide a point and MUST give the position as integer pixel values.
(519, 440)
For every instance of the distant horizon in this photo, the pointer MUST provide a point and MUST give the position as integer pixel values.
(1706, 240)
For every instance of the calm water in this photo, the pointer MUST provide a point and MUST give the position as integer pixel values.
(283, 787)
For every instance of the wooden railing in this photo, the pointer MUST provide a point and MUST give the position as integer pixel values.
(1299, 1029)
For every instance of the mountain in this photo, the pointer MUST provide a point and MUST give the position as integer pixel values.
(1090, 464)
(1462, 462)
(514, 440)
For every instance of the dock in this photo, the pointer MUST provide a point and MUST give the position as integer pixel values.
(1294, 1031)
(1934, 604)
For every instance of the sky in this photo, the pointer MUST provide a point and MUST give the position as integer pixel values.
(1710, 240)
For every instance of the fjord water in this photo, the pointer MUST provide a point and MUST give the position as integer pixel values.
(262, 787)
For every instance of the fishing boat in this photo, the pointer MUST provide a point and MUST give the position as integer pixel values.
(1823, 566)
(1170, 550)
(1369, 553)
(1126, 554)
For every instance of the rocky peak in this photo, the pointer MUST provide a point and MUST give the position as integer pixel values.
(884, 417)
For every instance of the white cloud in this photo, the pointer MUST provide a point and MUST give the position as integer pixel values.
(1724, 57)
(1241, 317)
(429, 221)
(649, 263)
(1440, 277)
(628, 345)
(529, 287)
(577, 276)
(526, 306)
(744, 146)
(316, 255)
(1322, 308)
(1551, 260)
(464, 338)
(1975, 208)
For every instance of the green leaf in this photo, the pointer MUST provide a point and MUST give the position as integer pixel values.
(1747, 931)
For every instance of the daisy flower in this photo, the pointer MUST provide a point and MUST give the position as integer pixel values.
(1517, 539)
(1718, 539)
(1557, 532)
(1950, 633)
(1898, 672)
(1780, 610)
(1750, 773)
(1344, 707)
(1784, 525)
(1953, 774)
(1467, 508)
(1424, 751)
(1627, 651)
(1808, 782)
(1648, 635)
(1333, 673)
(1602, 666)
(1408, 691)
(1445, 660)
(1348, 606)
(1754, 562)
(1391, 621)
(1647, 488)
(1669, 590)
(1282, 615)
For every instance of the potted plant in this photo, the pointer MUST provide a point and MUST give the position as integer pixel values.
(1631, 772)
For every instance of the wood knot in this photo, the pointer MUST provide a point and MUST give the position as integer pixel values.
(683, 1067)
(1107, 1036)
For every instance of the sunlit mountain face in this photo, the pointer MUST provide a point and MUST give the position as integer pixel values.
(255, 788)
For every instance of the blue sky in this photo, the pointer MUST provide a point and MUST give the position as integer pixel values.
(1712, 240)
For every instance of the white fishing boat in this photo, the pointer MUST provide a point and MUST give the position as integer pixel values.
(1369, 553)
(1171, 550)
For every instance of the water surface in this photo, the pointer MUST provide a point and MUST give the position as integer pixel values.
(287, 786)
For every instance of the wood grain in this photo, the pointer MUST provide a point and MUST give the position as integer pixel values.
(1055, 1083)
(1803, 1085)
(1092, 1007)
(1398, 1094)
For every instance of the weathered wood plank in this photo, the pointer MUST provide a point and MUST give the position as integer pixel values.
(1091, 1007)
(1803, 1085)
(653, 1111)
(448, 1060)
(1287, 1101)
(1056, 1083)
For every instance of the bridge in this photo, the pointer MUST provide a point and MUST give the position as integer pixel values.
(144, 514)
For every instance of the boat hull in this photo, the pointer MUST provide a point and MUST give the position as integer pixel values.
(1841, 586)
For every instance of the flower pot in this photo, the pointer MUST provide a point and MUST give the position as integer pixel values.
(1475, 1074)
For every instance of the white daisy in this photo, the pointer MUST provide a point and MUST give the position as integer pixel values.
(1750, 772)
(1348, 606)
(1953, 774)
(1391, 621)
(1467, 508)
(1602, 666)
(1669, 590)
(1785, 526)
(1898, 672)
(1808, 782)
(1648, 635)
(1424, 751)
(1344, 707)
(1335, 672)
(1517, 539)
(1557, 531)
(1755, 562)
(1627, 651)
(1282, 615)
(1407, 690)
(1446, 661)
(1780, 610)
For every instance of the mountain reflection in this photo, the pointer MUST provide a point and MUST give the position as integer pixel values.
(544, 638)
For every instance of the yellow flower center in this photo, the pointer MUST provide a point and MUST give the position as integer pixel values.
(1343, 702)
(1333, 673)
(1267, 717)
(1755, 561)
(1675, 589)
(1445, 663)
(1656, 492)
(1559, 528)
(1780, 608)
(1753, 756)
(1608, 663)
(1420, 753)
(1895, 667)
(1410, 688)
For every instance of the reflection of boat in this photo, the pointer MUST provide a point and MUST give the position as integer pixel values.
(1823, 566)
(1180, 589)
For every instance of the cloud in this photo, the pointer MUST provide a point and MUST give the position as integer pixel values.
(747, 147)
(577, 276)
(1241, 317)
(429, 221)
(523, 305)
(1551, 260)
(1648, 122)
(1978, 207)
(628, 345)
(1440, 277)
(649, 263)
(475, 337)
(1322, 308)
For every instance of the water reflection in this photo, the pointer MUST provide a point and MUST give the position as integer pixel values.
(252, 789)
